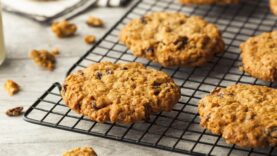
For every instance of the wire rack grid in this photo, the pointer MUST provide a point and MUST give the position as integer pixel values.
(178, 130)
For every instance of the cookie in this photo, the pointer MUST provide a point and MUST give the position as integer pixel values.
(173, 39)
(259, 56)
(273, 6)
(209, 1)
(244, 115)
(81, 151)
(123, 93)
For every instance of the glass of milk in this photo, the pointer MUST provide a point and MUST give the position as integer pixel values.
(2, 44)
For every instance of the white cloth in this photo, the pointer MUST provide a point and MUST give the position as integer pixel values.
(40, 8)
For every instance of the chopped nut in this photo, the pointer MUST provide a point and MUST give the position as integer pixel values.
(94, 21)
(55, 51)
(80, 151)
(64, 29)
(44, 59)
(17, 111)
(89, 39)
(11, 87)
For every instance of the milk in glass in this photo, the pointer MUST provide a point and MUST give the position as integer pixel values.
(2, 45)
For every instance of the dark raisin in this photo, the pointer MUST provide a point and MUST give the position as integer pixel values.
(99, 75)
(156, 84)
(181, 42)
(149, 50)
(65, 87)
(124, 68)
(156, 91)
(143, 20)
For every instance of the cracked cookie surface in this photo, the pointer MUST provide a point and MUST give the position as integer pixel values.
(209, 1)
(173, 39)
(259, 56)
(243, 114)
(123, 93)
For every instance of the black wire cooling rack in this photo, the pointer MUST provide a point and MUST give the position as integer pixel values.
(178, 130)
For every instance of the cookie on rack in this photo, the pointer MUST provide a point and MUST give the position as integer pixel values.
(259, 56)
(244, 115)
(173, 39)
(209, 1)
(123, 93)
(273, 6)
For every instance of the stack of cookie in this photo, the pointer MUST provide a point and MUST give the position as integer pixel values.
(245, 115)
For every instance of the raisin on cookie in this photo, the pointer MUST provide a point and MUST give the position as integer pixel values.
(173, 39)
(123, 93)
(244, 115)
(259, 56)
(209, 1)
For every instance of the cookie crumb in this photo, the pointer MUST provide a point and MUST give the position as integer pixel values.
(89, 39)
(94, 21)
(44, 58)
(64, 29)
(11, 87)
(17, 111)
(80, 151)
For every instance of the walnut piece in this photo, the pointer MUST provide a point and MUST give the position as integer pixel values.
(94, 21)
(11, 87)
(64, 29)
(17, 111)
(80, 151)
(89, 39)
(44, 58)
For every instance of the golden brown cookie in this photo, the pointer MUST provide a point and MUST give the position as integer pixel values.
(259, 56)
(123, 93)
(244, 115)
(80, 151)
(173, 39)
(209, 1)
(273, 6)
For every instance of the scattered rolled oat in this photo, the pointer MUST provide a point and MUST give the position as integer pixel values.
(11, 87)
(64, 29)
(89, 39)
(80, 151)
(94, 21)
(17, 111)
(44, 59)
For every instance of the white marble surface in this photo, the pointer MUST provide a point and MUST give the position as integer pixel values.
(18, 137)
